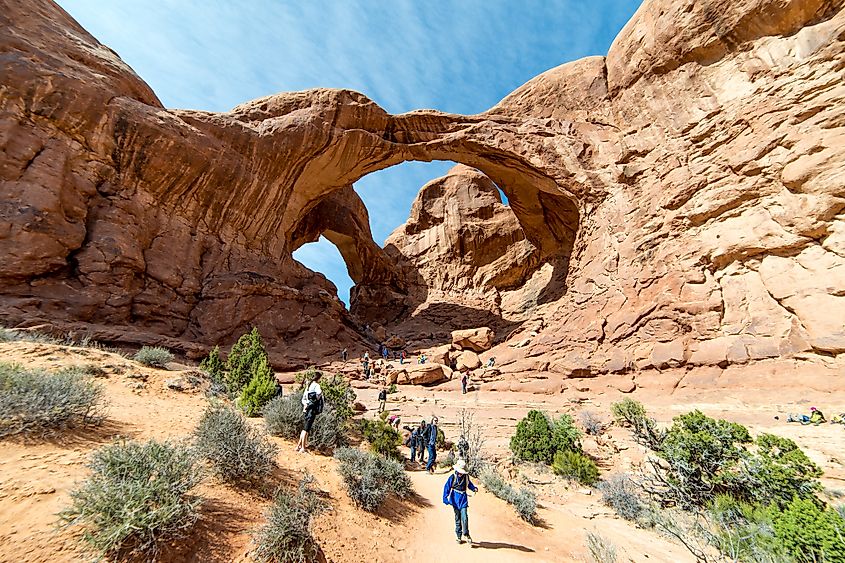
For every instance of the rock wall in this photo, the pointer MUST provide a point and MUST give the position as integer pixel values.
(683, 197)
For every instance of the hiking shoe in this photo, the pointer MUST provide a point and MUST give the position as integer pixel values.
(459, 540)
(469, 540)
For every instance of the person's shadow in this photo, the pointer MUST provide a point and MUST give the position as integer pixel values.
(501, 545)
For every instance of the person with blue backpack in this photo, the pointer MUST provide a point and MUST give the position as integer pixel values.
(455, 495)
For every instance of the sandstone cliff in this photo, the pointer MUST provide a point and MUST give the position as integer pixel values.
(682, 198)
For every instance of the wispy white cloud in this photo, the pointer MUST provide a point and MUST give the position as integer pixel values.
(459, 57)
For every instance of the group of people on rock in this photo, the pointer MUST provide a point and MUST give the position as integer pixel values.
(815, 417)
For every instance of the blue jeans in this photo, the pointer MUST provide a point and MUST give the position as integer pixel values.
(432, 457)
(461, 522)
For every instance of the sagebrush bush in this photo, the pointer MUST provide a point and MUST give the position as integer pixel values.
(153, 356)
(592, 424)
(283, 417)
(369, 477)
(138, 495)
(631, 413)
(524, 501)
(384, 439)
(287, 537)
(575, 465)
(236, 451)
(37, 403)
(260, 390)
(247, 352)
(214, 366)
(601, 550)
(619, 492)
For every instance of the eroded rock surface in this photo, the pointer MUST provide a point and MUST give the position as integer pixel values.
(680, 201)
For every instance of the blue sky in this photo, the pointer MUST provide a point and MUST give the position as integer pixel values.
(459, 56)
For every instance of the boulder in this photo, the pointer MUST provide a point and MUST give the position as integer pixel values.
(419, 374)
(467, 360)
(476, 339)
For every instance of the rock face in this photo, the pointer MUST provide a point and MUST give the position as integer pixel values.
(419, 374)
(680, 201)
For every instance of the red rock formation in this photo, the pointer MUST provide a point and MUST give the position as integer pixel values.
(684, 196)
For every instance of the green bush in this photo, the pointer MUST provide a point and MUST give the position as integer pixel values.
(283, 417)
(533, 438)
(238, 454)
(744, 532)
(538, 438)
(777, 472)
(384, 439)
(287, 537)
(575, 465)
(214, 366)
(247, 352)
(260, 390)
(702, 454)
(153, 356)
(810, 533)
(392, 389)
(339, 394)
(369, 477)
(37, 403)
(631, 413)
(137, 496)
(524, 501)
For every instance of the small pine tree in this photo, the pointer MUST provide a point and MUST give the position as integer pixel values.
(247, 351)
(260, 390)
(533, 438)
(214, 365)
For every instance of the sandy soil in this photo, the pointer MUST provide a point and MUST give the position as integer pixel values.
(35, 477)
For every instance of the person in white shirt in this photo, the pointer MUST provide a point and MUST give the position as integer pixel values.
(312, 405)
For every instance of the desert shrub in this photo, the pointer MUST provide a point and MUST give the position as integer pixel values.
(36, 403)
(601, 550)
(524, 501)
(260, 390)
(631, 413)
(471, 443)
(153, 356)
(448, 460)
(744, 532)
(286, 537)
(339, 394)
(283, 417)
(620, 493)
(777, 472)
(237, 453)
(533, 438)
(214, 366)
(137, 495)
(592, 424)
(384, 439)
(26, 335)
(702, 454)
(575, 465)
(565, 436)
(247, 352)
(369, 477)
(392, 389)
(810, 533)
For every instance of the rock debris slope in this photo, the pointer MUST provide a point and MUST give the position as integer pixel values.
(679, 201)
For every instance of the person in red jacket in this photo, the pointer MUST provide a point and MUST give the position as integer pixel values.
(455, 494)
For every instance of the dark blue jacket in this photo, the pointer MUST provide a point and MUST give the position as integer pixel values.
(455, 490)
(432, 434)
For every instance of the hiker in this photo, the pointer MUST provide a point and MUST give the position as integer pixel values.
(312, 405)
(816, 416)
(393, 420)
(279, 390)
(422, 440)
(344, 354)
(382, 399)
(838, 418)
(432, 445)
(413, 442)
(491, 362)
(463, 448)
(385, 351)
(464, 379)
(455, 494)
